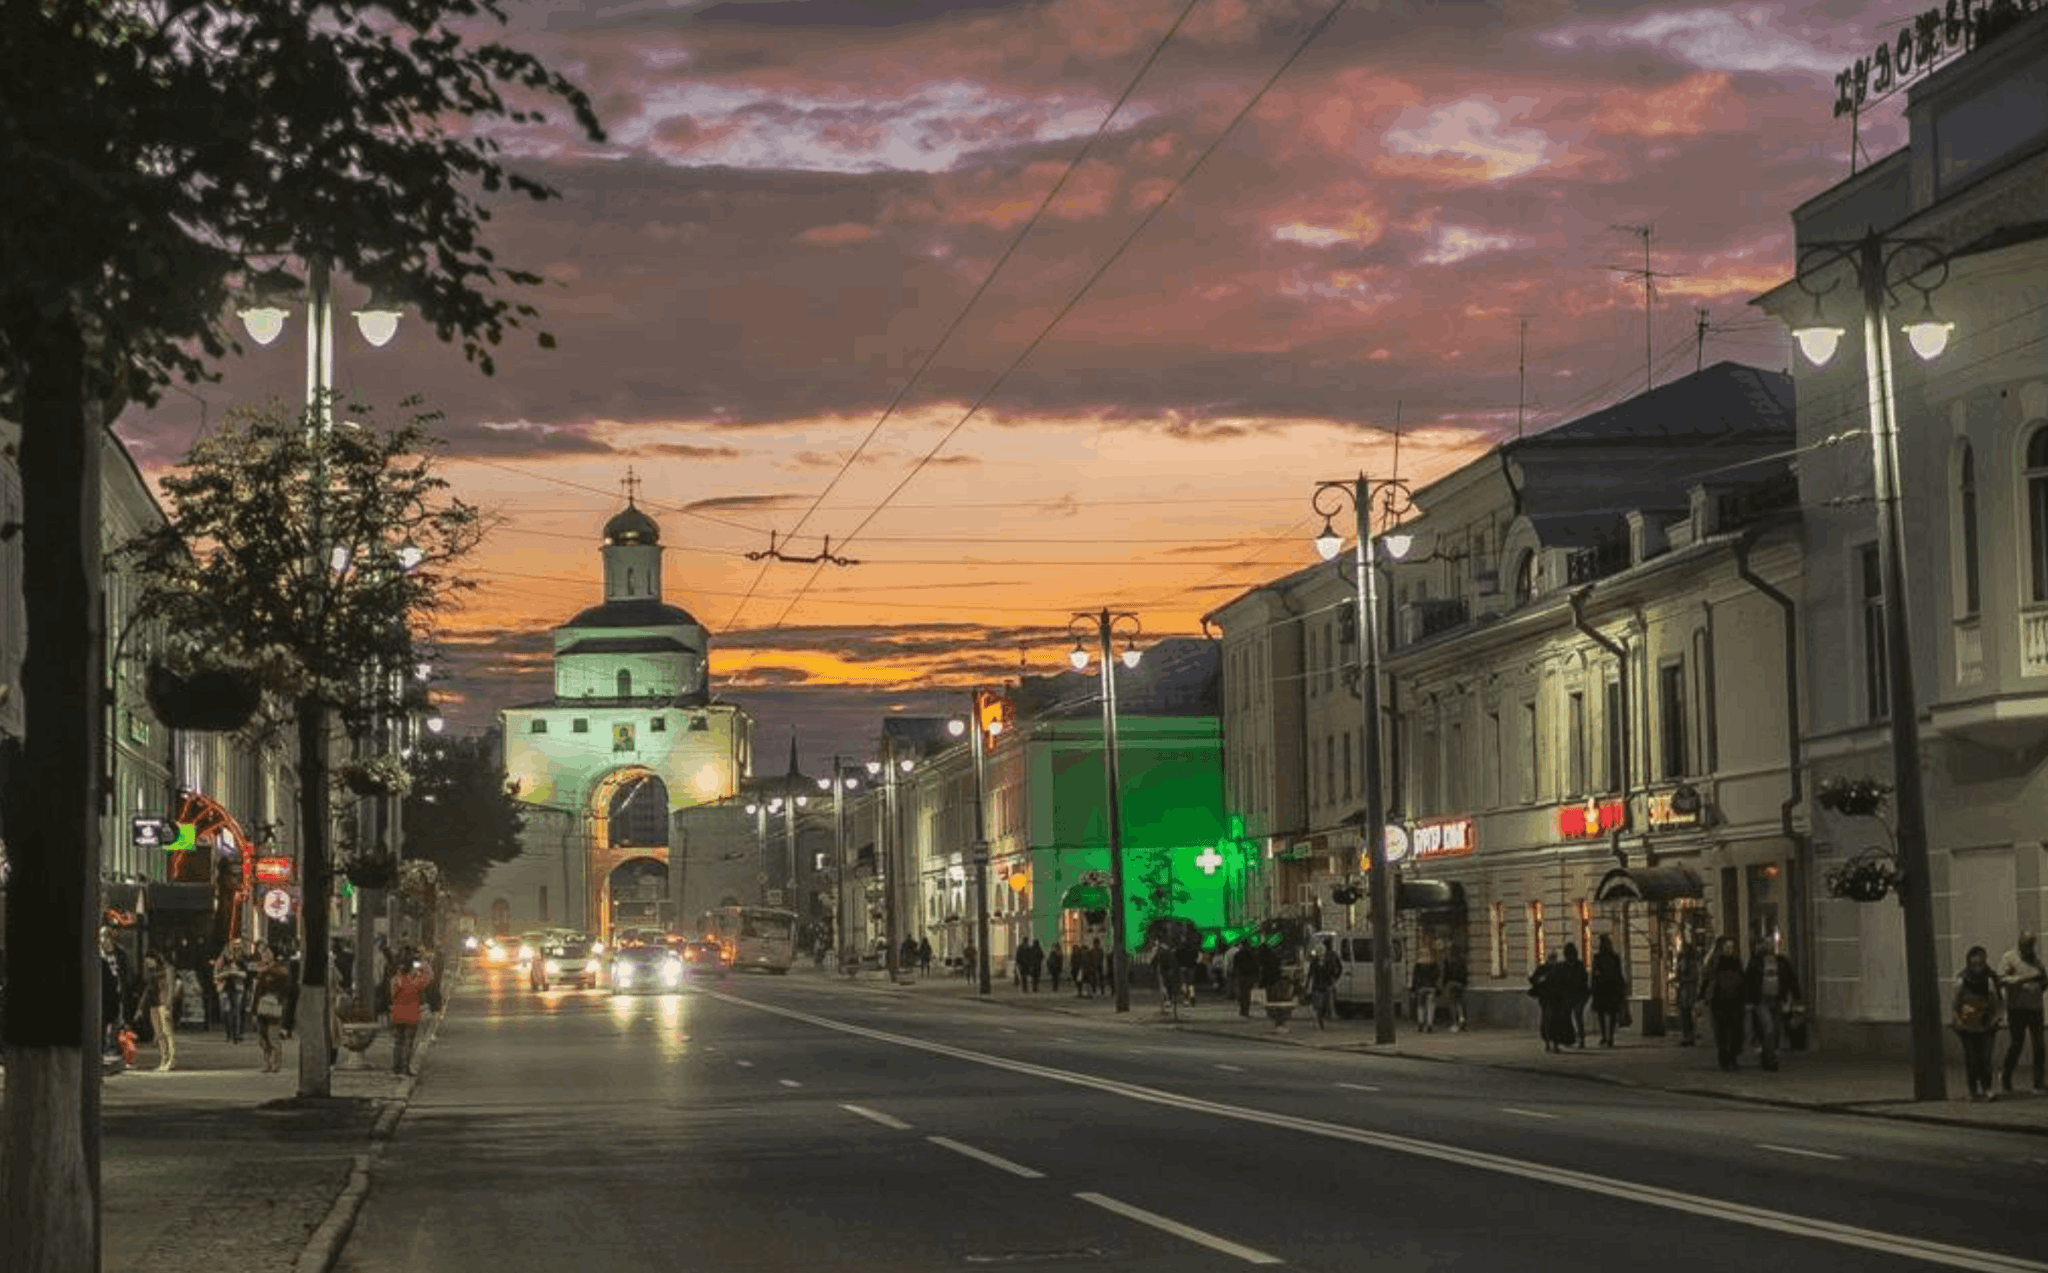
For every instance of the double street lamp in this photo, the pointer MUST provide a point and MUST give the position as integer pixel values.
(1881, 267)
(887, 769)
(984, 731)
(1106, 626)
(842, 880)
(1329, 500)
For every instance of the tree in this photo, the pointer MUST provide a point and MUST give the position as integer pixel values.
(461, 814)
(158, 154)
(1159, 892)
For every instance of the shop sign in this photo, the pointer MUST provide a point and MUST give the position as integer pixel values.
(1677, 809)
(1595, 817)
(1399, 847)
(274, 870)
(148, 833)
(1929, 39)
(277, 903)
(1444, 837)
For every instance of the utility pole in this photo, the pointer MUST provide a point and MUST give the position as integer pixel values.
(1521, 376)
(1699, 355)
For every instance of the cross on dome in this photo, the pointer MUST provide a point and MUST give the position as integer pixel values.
(630, 484)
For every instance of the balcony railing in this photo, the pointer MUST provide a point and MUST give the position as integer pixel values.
(2034, 641)
(1969, 652)
(1587, 564)
(1421, 620)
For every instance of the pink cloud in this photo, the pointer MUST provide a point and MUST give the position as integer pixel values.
(1696, 104)
(837, 235)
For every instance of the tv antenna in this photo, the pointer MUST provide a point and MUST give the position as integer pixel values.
(1522, 372)
(1649, 277)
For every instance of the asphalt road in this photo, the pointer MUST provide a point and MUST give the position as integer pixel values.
(772, 1124)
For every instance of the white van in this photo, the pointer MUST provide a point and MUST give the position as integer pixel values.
(1355, 987)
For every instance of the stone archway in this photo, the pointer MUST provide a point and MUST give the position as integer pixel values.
(629, 822)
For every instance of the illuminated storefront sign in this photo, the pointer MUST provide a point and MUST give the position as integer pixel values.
(1428, 838)
(274, 870)
(1931, 38)
(1675, 810)
(1595, 817)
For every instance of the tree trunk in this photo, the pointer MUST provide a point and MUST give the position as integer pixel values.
(49, 1149)
(316, 870)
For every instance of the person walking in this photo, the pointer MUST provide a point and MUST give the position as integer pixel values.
(1578, 989)
(1053, 964)
(230, 980)
(408, 988)
(1098, 968)
(970, 959)
(1424, 980)
(1455, 977)
(1244, 976)
(1610, 989)
(159, 1003)
(1721, 987)
(1976, 1007)
(924, 956)
(2022, 978)
(1768, 984)
(1324, 969)
(1688, 974)
(1547, 985)
(270, 990)
(1034, 963)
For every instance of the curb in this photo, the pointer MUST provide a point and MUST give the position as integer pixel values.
(324, 1245)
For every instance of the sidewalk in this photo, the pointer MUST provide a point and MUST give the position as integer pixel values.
(1837, 1082)
(218, 1165)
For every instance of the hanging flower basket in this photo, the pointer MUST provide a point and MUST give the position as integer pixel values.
(419, 881)
(375, 776)
(1346, 894)
(210, 699)
(372, 870)
(1853, 797)
(1870, 876)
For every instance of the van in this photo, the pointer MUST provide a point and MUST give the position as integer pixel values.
(1355, 986)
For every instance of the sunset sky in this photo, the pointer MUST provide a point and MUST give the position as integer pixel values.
(799, 196)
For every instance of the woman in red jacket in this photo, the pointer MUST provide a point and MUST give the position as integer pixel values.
(408, 985)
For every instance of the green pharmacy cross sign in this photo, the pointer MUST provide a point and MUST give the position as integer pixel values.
(1209, 859)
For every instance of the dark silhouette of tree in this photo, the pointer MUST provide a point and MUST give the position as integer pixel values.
(461, 814)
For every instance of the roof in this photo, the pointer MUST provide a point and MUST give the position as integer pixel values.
(1726, 399)
(631, 526)
(627, 645)
(916, 731)
(641, 613)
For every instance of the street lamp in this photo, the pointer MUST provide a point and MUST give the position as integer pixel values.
(980, 742)
(889, 771)
(1362, 493)
(1107, 626)
(1881, 267)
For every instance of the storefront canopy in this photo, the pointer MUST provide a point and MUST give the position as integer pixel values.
(1085, 897)
(1648, 884)
(1431, 897)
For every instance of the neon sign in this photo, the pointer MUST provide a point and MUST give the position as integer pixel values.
(1932, 37)
(1578, 821)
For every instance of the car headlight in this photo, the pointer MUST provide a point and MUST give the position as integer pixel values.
(469, 943)
(554, 967)
(597, 948)
(672, 971)
(622, 974)
(526, 952)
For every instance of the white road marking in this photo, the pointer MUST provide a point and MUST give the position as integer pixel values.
(1629, 1191)
(1009, 1029)
(1061, 1038)
(877, 1116)
(1249, 1255)
(1528, 1113)
(1803, 1153)
(1359, 1087)
(789, 1082)
(982, 1155)
(1234, 1069)
(745, 1065)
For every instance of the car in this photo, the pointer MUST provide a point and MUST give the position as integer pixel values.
(645, 969)
(499, 950)
(562, 960)
(706, 958)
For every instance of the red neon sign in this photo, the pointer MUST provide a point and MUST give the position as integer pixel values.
(1577, 821)
(274, 870)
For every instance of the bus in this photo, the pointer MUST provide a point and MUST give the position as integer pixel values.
(753, 936)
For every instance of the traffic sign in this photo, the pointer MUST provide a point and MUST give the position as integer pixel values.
(146, 833)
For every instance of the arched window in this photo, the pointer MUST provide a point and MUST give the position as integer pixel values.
(2037, 508)
(1966, 531)
(1525, 577)
(625, 683)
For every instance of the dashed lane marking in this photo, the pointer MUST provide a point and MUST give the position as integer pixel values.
(1358, 1087)
(745, 1065)
(789, 1082)
(877, 1116)
(1234, 1069)
(1528, 1113)
(982, 1155)
(1250, 1255)
(1803, 1153)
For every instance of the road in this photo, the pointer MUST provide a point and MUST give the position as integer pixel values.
(784, 1124)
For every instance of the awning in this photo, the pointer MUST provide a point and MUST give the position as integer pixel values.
(1431, 897)
(1085, 897)
(1648, 884)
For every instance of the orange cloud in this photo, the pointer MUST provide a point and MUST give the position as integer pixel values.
(1344, 213)
(1004, 204)
(837, 235)
(682, 135)
(1688, 108)
(1333, 116)
(1446, 170)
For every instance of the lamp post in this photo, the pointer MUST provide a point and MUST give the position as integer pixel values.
(982, 732)
(1107, 626)
(264, 319)
(887, 768)
(1329, 501)
(842, 884)
(1881, 267)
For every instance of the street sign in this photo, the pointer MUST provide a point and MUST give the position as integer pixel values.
(775, 897)
(277, 903)
(146, 833)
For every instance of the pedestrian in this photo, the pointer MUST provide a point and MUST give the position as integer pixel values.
(1551, 987)
(2022, 977)
(1768, 985)
(1578, 989)
(924, 956)
(1610, 989)
(1244, 975)
(1721, 987)
(408, 987)
(110, 993)
(970, 959)
(160, 1002)
(230, 980)
(1099, 973)
(1455, 977)
(1053, 964)
(1688, 974)
(1324, 968)
(1976, 1006)
(437, 964)
(1034, 963)
(1423, 982)
(270, 990)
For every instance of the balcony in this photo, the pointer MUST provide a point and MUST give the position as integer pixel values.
(1421, 620)
(1587, 564)
(1969, 652)
(2034, 641)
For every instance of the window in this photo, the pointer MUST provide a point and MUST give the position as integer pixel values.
(1613, 720)
(1526, 753)
(2037, 508)
(1876, 683)
(537, 726)
(1329, 656)
(658, 725)
(501, 915)
(1525, 577)
(1347, 764)
(1703, 694)
(1539, 946)
(1671, 716)
(1500, 939)
(1586, 931)
(1575, 745)
(1455, 776)
(625, 683)
(579, 726)
(1329, 767)
(545, 916)
(1496, 779)
(1966, 533)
